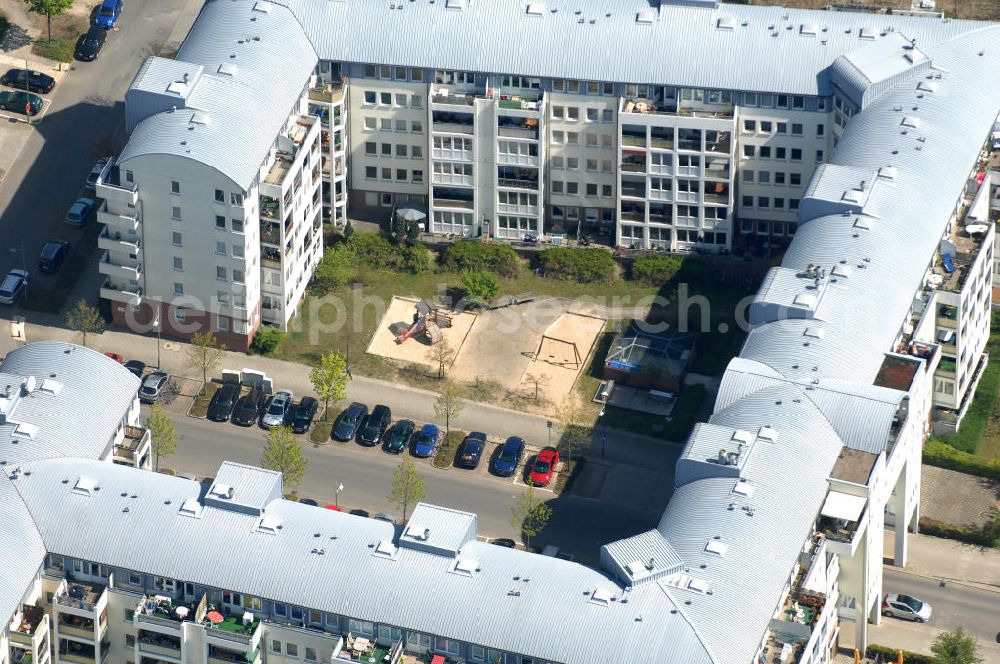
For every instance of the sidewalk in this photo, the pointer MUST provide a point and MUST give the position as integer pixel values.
(938, 558)
(405, 402)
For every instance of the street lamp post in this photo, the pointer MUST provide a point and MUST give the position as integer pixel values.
(548, 424)
(604, 436)
(156, 324)
(336, 496)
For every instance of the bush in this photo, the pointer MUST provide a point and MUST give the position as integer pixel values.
(334, 270)
(500, 259)
(3, 23)
(378, 252)
(266, 339)
(448, 449)
(480, 286)
(685, 413)
(585, 266)
(943, 455)
(891, 654)
(656, 269)
(988, 535)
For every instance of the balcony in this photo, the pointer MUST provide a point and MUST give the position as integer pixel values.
(81, 653)
(158, 644)
(112, 188)
(453, 178)
(327, 93)
(269, 207)
(127, 269)
(126, 223)
(509, 159)
(270, 257)
(242, 631)
(526, 129)
(119, 241)
(218, 655)
(444, 97)
(842, 519)
(270, 232)
(82, 628)
(127, 452)
(454, 203)
(29, 627)
(78, 594)
(110, 290)
(452, 128)
(517, 184)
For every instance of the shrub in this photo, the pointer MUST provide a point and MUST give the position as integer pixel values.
(585, 266)
(480, 286)
(500, 259)
(891, 654)
(656, 269)
(334, 270)
(685, 413)
(941, 454)
(380, 253)
(988, 535)
(266, 339)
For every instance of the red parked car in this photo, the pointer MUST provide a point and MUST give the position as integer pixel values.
(543, 467)
(116, 357)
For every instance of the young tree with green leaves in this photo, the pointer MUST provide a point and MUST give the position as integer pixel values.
(205, 354)
(283, 453)
(329, 378)
(50, 8)
(85, 319)
(480, 286)
(574, 434)
(413, 232)
(449, 405)
(333, 271)
(441, 355)
(956, 647)
(529, 515)
(162, 434)
(408, 487)
(537, 381)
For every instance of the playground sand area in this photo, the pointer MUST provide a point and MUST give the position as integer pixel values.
(546, 339)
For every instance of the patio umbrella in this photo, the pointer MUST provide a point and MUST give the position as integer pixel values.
(410, 214)
(214, 616)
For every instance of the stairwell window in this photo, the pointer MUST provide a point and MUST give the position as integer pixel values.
(236, 199)
(175, 187)
(178, 240)
(220, 196)
(175, 213)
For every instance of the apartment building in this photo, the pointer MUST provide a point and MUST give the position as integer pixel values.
(224, 183)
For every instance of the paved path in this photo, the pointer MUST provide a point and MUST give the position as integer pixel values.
(953, 497)
(940, 558)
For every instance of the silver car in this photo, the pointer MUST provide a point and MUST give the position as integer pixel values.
(13, 285)
(278, 410)
(906, 607)
(152, 386)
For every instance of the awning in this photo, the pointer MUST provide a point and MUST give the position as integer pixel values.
(843, 506)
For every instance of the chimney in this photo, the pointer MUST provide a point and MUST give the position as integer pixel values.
(427, 534)
(651, 565)
(185, 77)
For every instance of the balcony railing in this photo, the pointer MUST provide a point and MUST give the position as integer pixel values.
(530, 133)
(517, 184)
(453, 203)
(453, 128)
(115, 293)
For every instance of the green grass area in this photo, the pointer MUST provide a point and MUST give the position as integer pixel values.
(444, 456)
(204, 399)
(234, 624)
(59, 49)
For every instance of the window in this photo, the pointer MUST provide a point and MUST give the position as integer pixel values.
(370, 148)
(400, 175)
(175, 187)
(558, 112)
(371, 173)
(764, 177)
(221, 323)
(238, 250)
(557, 162)
(766, 126)
(275, 646)
(387, 149)
(417, 151)
(572, 113)
(572, 163)
(236, 199)
(821, 104)
(796, 129)
(591, 139)
(400, 100)
(370, 123)
(401, 150)
(417, 176)
(796, 154)
(782, 127)
(400, 125)
(591, 189)
(747, 201)
(160, 583)
(557, 187)
(782, 101)
(237, 225)
(291, 649)
(386, 173)
(607, 115)
(416, 101)
(606, 165)
(779, 177)
(129, 176)
(606, 190)
(747, 175)
(819, 155)
(385, 124)
(221, 273)
(557, 137)
(130, 640)
(748, 150)
(793, 203)
(175, 213)
(220, 249)
(386, 200)
(572, 137)
(573, 87)
(310, 654)
(220, 196)
(385, 72)
(134, 579)
(820, 129)
(763, 202)
(780, 153)
(798, 102)
(178, 264)
(280, 609)
(779, 203)
(573, 188)
(592, 115)
(385, 99)
(764, 152)
(750, 125)
(591, 164)
(795, 179)
(220, 222)
(370, 97)
(177, 239)
(417, 127)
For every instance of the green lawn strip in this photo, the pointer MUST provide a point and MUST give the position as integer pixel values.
(444, 457)
(60, 49)
(204, 399)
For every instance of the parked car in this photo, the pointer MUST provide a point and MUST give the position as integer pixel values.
(153, 385)
(426, 440)
(385, 516)
(471, 450)
(91, 43)
(504, 542)
(187, 476)
(248, 407)
(370, 433)
(52, 256)
(136, 367)
(116, 357)
(223, 401)
(95, 173)
(24, 103)
(545, 464)
(279, 410)
(303, 415)
(79, 211)
(349, 421)
(25, 79)
(13, 286)
(507, 460)
(397, 437)
(109, 12)
(333, 508)
(308, 501)
(906, 607)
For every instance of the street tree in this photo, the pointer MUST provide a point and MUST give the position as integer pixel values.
(162, 434)
(407, 486)
(283, 453)
(441, 355)
(49, 8)
(85, 319)
(537, 381)
(956, 647)
(448, 405)
(329, 378)
(574, 434)
(529, 515)
(205, 354)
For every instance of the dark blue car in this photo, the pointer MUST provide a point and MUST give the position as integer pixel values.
(109, 12)
(349, 422)
(505, 463)
(471, 450)
(426, 440)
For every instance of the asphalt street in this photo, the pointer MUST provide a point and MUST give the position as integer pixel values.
(578, 525)
(975, 610)
(86, 107)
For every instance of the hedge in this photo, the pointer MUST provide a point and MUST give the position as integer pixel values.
(500, 259)
(266, 339)
(988, 535)
(378, 252)
(685, 413)
(891, 654)
(656, 269)
(585, 266)
(943, 455)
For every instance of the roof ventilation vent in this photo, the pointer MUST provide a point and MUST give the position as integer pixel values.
(85, 486)
(535, 9)
(726, 23)
(645, 16)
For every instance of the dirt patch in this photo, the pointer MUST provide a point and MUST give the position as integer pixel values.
(417, 349)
